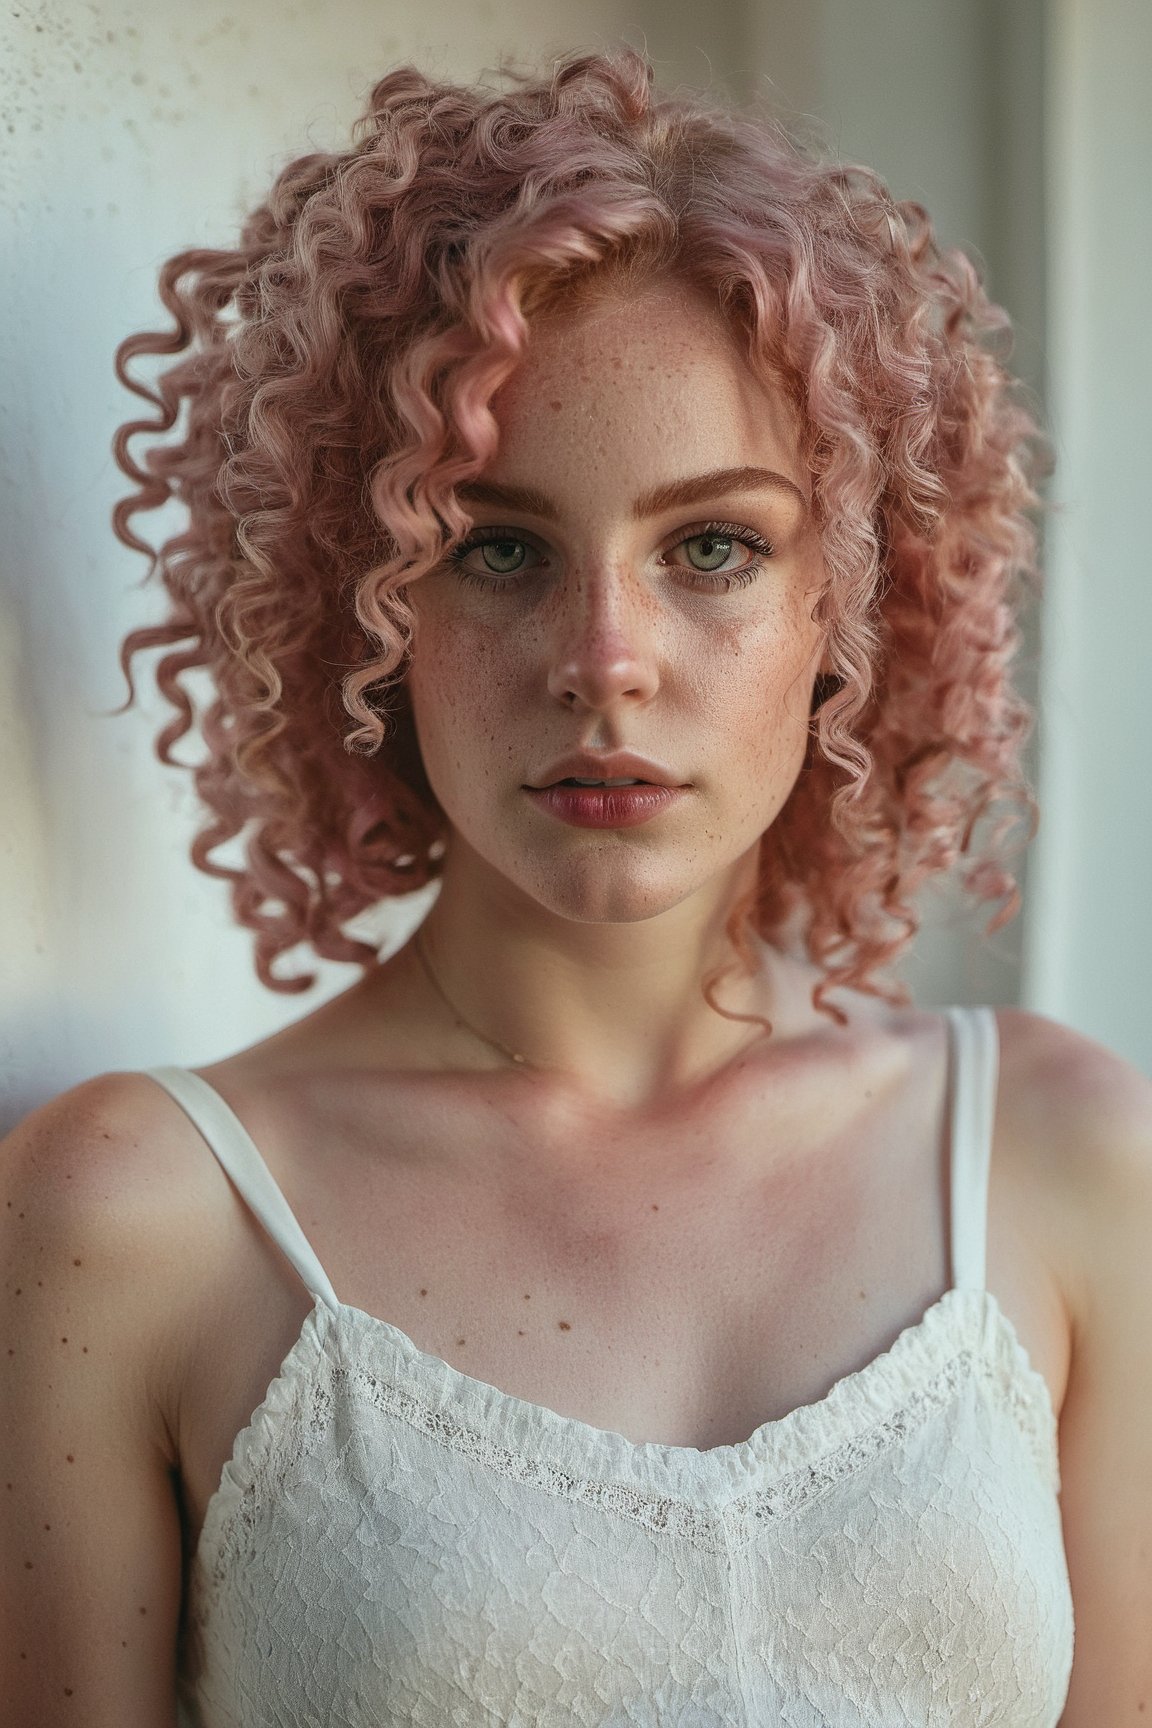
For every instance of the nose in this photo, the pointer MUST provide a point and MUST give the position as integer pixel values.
(604, 646)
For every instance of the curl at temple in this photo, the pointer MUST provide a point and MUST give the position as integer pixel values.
(333, 386)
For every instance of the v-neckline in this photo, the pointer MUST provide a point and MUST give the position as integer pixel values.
(963, 1334)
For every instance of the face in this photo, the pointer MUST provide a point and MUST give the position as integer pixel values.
(597, 615)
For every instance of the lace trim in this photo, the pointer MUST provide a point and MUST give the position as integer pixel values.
(289, 1425)
(302, 1403)
(715, 1529)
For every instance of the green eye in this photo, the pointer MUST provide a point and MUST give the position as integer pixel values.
(716, 547)
(503, 557)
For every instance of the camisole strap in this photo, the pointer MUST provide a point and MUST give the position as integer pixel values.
(974, 1072)
(237, 1153)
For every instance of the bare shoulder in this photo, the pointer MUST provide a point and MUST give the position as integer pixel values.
(1068, 1085)
(101, 1189)
(1078, 1120)
(108, 1148)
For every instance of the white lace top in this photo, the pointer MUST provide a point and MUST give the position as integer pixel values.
(394, 1542)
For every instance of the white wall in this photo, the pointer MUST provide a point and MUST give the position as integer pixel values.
(1090, 931)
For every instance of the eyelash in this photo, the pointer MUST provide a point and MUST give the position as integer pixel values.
(727, 580)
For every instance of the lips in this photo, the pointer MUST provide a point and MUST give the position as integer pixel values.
(572, 780)
(604, 769)
(605, 806)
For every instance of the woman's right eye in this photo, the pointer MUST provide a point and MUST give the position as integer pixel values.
(504, 555)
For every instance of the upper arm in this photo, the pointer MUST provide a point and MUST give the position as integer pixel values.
(90, 1537)
(1097, 1117)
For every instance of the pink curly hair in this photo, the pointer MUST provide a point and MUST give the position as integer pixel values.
(339, 368)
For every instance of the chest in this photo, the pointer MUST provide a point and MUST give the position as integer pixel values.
(684, 1292)
(538, 1573)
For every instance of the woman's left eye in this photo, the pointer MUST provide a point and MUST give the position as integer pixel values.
(715, 542)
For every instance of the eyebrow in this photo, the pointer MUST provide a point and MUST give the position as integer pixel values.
(693, 490)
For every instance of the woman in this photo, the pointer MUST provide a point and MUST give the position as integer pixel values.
(588, 1315)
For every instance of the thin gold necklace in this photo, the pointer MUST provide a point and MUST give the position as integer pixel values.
(513, 1055)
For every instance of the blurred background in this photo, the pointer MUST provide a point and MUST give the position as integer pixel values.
(134, 128)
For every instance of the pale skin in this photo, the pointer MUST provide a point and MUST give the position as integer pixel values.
(671, 1225)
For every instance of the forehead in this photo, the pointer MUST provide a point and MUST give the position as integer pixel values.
(659, 373)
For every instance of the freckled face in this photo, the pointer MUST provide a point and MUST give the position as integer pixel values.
(596, 628)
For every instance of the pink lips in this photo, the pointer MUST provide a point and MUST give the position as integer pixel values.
(605, 806)
(606, 765)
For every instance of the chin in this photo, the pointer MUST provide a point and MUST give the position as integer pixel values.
(615, 890)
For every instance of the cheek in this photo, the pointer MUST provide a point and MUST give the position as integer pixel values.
(460, 682)
(753, 691)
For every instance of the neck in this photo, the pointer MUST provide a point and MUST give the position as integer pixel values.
(616, 1009)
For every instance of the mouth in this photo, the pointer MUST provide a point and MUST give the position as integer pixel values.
(604, 803)
(573, 781)
(603, 771)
